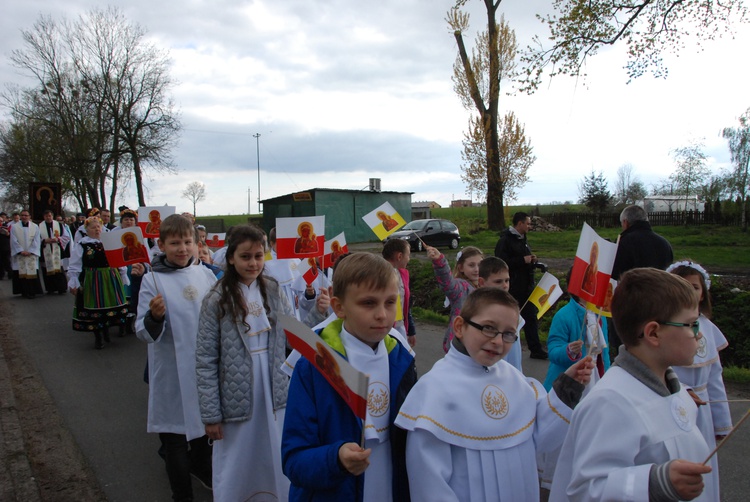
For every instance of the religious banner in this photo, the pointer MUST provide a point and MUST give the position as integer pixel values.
(124, 246)
(215, 241)
(605, 309)
(309, 270)
(384, 220)
(334, 249)
(592, 267)
(150, 218)
(545, 294)
(300, 237)
(44, 196)
(350, 384)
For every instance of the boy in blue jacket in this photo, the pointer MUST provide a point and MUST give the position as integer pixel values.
(320, 447)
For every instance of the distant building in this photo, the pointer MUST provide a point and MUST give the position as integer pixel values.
(421, 210)
(667, 203)
(343, 209)
(461, 203)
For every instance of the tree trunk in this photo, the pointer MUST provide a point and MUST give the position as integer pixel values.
(138, 175)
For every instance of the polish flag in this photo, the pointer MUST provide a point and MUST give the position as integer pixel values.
(384, 220)
(309, 270)
(150, 218)
(333, 249)
(300, 237)
(606, 308)
(125, 246)
(215, 241)
(592, 267)
(350, 384)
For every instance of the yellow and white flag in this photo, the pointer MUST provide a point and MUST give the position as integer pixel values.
(384, 220)
(545, 294)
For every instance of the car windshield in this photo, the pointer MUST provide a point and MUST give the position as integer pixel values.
(415, 225)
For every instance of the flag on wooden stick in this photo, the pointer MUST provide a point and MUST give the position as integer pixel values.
(216, 241)
(545, 294)
(150, 218)
(384, 220)
(592, 267)
(334, 249)
(350, 384)
(300, 237)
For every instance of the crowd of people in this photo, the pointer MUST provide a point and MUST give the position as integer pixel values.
(240, 411)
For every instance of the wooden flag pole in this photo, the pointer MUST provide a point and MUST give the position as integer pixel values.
(723, 441)
(730, 401)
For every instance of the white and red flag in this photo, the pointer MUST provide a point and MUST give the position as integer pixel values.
(300, 237)
(215, 241)
(334, 249)
(309, 270)
(124, 246)
(384, 220)
(350, 384)
(592, 267)
(150, 218)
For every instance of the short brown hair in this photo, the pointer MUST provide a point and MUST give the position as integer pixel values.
(393, 246)
(648, 294)
(365, 269)
(491, 265)
(176, 225)
(482, 297)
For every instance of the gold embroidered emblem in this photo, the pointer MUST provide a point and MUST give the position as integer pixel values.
(378, 399)
(255, 309)
(190, 292)
(494, 402)
(702, 347)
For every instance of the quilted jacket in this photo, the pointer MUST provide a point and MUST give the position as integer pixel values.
(224, 364)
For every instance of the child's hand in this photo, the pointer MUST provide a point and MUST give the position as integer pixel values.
(158, 308)
(687, 478)
(214, 432)
(697, 400)
(575, 347)
(73, 291)
(354, 459)
(412, 339)
(432, 253)
(323, 301)
(137, 269)
(581, 371)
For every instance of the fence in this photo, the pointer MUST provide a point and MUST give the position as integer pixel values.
(612, 220)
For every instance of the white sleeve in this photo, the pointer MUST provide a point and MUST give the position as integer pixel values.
(36, 244)
(429, 466)
(720, 414)
(75, 265)
(552, 419)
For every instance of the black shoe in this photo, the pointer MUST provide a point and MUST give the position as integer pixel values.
(539, 355)
(106, 336)
(204, 479)
(98, 344)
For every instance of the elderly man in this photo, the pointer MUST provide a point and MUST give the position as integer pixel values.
(639, 245)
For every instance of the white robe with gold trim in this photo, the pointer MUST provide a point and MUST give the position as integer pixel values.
(474, 432)
(25, 239)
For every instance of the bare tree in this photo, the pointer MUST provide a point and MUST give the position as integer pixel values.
(628, 187)
(477, 81)
(649, 28)
(739, 146)
(691, 170)
(194, 192)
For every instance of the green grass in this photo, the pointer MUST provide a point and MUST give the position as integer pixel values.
(736, 374)
(427, 315)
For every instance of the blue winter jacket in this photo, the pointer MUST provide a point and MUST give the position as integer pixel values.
(567, 326)
(318, 421)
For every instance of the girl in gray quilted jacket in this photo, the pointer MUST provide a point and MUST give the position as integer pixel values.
(241, 390)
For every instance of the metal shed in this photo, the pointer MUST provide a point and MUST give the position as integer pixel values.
(343, 209)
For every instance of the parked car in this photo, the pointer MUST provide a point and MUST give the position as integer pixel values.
(431, 232)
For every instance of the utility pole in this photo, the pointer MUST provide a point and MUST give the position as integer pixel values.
(257, 149)
(248, 201)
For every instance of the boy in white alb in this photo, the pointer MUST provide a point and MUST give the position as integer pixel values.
(634, 436)
(474, 422)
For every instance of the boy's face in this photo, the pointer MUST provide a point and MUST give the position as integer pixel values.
(497, 280)
(204, 255)
(179, 249)
(481, 348)
(368, 313)
(678, 345)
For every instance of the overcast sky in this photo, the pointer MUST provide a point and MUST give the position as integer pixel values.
(344, 91)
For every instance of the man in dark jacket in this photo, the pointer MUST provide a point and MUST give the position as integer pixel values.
(639, 247)
(514, 250)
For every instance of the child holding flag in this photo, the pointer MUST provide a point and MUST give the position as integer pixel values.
(320, 448)
(476, 423)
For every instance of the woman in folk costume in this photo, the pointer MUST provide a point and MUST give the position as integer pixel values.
(98, 288)
(25, 249)
(241, 389)
(53, 240)
(703, 378)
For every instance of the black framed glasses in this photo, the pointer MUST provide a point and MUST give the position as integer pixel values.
(492, 332)
(692, 325)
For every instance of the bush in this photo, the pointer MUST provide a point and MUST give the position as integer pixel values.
(731, 313)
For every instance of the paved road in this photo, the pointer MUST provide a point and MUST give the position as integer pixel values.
(102, 398)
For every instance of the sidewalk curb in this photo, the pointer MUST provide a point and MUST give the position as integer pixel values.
(16, 478)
